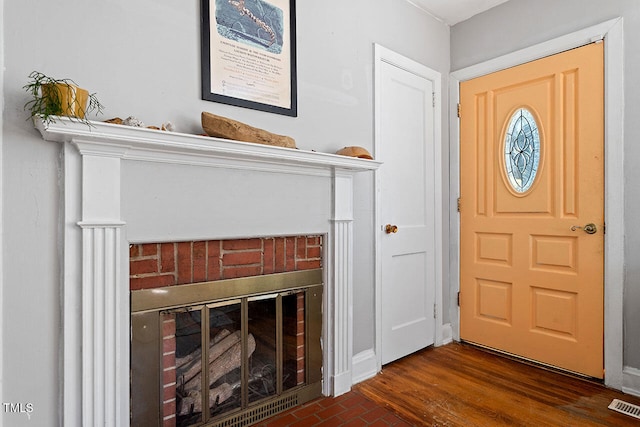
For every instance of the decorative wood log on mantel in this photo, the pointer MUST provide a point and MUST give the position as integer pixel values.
(222, 127)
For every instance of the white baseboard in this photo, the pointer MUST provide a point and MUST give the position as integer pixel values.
(631, 381)
(341, 384)
(447, 335)
(365, 366)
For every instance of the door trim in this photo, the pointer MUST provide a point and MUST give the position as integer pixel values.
(2, 54)
(382, 54)
(612, 32)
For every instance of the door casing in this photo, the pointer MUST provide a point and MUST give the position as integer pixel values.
(612, 31)
(382, 54)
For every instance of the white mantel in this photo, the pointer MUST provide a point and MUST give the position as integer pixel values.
(98, 164)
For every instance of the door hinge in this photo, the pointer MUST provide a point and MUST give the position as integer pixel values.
(433, 99)
(458, 298)
(459, 204)
(604, 228)
(458, 110)
(435, 311)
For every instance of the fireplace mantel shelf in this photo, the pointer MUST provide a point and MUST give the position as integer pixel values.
(136, 143)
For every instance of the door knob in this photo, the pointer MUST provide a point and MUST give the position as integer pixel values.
(390, 228)
(589, 228)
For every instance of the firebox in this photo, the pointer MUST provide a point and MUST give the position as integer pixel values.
(227, 352)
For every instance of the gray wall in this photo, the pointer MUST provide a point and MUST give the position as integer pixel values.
(143, 59)
(521, 23)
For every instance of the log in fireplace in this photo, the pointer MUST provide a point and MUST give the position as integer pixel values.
(258, 337)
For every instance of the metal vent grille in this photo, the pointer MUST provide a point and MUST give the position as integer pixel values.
(259, 413)
(625, 408)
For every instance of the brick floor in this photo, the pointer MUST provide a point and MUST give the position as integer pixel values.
(349, 410)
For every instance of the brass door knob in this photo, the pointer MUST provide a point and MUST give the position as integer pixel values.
(589, 228)
(390, 228)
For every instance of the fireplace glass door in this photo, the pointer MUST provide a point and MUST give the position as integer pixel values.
(254, 350)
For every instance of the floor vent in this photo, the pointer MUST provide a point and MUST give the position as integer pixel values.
(625, 408)
(259, 413)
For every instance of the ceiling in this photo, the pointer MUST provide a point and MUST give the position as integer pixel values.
(454, 11)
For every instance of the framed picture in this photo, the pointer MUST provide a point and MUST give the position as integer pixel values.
(249, 54)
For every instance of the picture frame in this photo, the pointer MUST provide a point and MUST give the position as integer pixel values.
(249, 54)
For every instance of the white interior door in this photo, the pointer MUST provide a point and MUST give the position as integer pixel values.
(405, 145)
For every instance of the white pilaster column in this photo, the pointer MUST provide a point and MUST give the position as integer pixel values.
(100, 324)
(104, 299)
(342, 275)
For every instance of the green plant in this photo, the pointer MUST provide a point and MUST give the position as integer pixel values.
(59, 97)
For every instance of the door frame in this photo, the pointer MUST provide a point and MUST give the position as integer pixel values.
(2, 101)
(612, 32)
(384, 55)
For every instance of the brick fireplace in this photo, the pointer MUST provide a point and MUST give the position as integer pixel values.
(127, 186)
(159, 394)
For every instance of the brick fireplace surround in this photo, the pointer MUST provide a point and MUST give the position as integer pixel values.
(159, 265)
(155, 265)
(124, 186)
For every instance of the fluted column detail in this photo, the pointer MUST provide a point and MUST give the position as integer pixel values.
(342, 290)
(102, 301)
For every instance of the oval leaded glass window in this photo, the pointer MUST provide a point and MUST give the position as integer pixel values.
(522, 150)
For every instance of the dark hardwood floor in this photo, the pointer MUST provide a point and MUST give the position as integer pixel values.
(461, 385)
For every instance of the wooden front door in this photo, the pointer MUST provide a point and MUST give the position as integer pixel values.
(532, 210)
